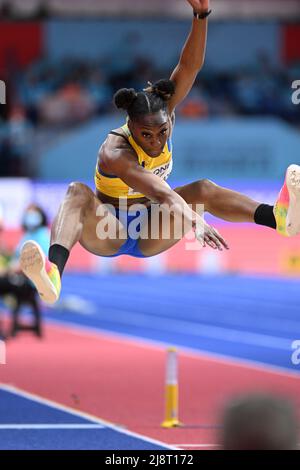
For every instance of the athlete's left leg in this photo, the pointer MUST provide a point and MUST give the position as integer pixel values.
(235, 207)
(221, 202)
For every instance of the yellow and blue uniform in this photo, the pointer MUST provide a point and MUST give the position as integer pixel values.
(115, 187)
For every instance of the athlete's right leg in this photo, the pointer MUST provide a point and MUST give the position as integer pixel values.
(76, 221)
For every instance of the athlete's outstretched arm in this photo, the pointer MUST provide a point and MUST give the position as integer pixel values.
(124, 165)
(192, 55)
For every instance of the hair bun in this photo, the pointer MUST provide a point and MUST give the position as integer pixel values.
(164, 88)
(124, 98)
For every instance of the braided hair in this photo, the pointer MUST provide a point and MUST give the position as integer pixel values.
(152, 99)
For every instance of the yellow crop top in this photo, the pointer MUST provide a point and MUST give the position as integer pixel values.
(115, 187)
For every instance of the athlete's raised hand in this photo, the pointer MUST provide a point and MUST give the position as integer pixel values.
(199, 6)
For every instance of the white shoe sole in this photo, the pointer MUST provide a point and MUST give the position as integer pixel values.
(32, 262)
(293, 186)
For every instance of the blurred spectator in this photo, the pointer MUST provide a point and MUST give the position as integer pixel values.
(69, 106)
(99, 91)
(66, 92)
(134, 68)
(13, 283)
(5, 254)
(35, 227)
(127, 52)
(16, 144)
(70, 91)
(194, 106)
(247, 93)
(32, 91)
(143, 72)
(259, 422)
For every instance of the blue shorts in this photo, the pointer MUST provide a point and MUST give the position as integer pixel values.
(130, 246)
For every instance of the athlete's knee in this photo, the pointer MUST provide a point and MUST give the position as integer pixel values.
(80, 194)
(205, 189)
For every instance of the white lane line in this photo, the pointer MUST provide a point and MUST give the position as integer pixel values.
(81, 414)
(51, 426)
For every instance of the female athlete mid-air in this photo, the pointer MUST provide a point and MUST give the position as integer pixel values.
(133, 164)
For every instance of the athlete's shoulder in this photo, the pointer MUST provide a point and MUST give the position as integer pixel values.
(114, 142)
(114, 148)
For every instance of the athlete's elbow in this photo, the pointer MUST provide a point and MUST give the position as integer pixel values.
(166, 196)
(192, 65)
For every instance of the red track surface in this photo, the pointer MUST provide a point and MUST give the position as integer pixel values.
(122, 381)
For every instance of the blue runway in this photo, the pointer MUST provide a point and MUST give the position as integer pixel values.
(31, 423)
(249, 319)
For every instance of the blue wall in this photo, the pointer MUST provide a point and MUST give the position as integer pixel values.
(250, 148)
(229, 44)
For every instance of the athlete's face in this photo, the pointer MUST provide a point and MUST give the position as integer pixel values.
(151, 132)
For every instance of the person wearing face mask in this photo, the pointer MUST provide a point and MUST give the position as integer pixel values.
(5, 254)
(35, 227)
(12, 281)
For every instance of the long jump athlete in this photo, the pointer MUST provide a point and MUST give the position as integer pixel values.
(133, 164)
